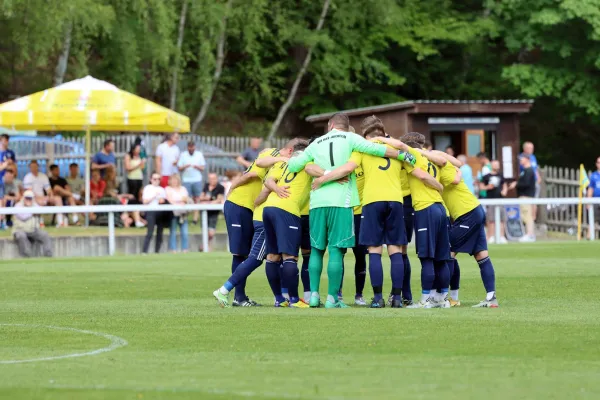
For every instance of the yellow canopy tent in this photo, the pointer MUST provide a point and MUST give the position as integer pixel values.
(89, 104)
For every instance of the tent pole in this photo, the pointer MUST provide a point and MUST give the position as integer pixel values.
(88, 146)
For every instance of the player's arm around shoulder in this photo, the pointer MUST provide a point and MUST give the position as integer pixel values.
(270, 157)
(338, 173)
(314, 170)
(427, 179)
(434, 156)
(299, 161)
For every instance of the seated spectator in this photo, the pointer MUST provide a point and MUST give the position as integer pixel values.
(496, 187)
(97, 186)
(39, 184)
(153, 195)
(105, 158)
(178, 195)
(213, 193)
(109, 198)
(12, 194)
(77, 184)
(126, 198)
(60, 187)
(27, 231)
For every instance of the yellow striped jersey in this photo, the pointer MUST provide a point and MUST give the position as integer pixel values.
(458, 198)
(245, 195)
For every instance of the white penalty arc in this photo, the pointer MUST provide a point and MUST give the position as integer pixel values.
(115, 343)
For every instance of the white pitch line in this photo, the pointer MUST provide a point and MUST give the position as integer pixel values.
(115, 343)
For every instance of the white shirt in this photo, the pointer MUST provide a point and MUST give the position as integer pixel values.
(151, 191)
(191, 174)
(37, 183)
(168, 155)
(177, 195)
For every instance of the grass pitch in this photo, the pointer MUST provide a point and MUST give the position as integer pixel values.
(544, 341)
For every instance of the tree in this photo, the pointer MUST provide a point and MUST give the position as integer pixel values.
(176, 66)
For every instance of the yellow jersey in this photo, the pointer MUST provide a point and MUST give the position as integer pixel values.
(245, 195)
(299, 188)
(404, 182)
(422, 195)
(360, 185)
(382, 178)
(458, 198)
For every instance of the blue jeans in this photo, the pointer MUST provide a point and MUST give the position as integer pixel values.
(183, 230)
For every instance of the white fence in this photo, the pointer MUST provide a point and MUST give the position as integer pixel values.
(112, 209)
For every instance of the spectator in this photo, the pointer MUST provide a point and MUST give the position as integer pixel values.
(97, 186)
(450, 151)
(526, 190)
(134, 165)
(61, 188)
(191, 164)
(167, 154)
(496, 187)
(8, 154)
(12, 194)
(143, 154)
(76, 183)
(466, 172)
(154, 195)
(528, 149)
(178, 195)
(112, 188)
(251, 153)
(230, 175)
(110, 198)
(39, 184)
(428, 146)
(27, 231)
(593, 190)
(105, 158)
(213, 193)
(486, 168)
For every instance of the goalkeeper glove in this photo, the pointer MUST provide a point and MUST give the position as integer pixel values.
(407, 158)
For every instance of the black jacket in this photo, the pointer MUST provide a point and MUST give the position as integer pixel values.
(526, 183)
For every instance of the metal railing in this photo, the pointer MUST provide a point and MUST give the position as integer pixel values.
(112, 209)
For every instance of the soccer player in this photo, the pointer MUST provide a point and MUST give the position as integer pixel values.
(283, 228)
(331, 206)
(467, 232)
(245, 237)
(431, 226)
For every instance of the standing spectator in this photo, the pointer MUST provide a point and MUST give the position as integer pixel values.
(526, 190)
(486, 168)
(213, 193)
(153, 195)
(27, 231)
(143, 154)
(466, 172)
(251, 153)
(134, 165)
(167, 154)
(8, 154)
(76, 183)
(496, 187)
(528, 149)
(230, 175)
(191, 164)
(178, 195)
(60, 187)
(105, 158)
(12, 193)
(97, 186)
(39, 184)
(593, 190)
(450, 151)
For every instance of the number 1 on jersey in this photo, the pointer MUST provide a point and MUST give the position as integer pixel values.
(331, 154)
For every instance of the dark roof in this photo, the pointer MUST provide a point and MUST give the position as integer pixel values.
(413, 103)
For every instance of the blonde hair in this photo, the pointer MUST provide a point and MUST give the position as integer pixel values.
(174, 177)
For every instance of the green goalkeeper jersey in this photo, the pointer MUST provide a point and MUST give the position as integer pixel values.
(329, 152)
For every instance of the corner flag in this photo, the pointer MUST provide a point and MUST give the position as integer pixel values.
(584, 182)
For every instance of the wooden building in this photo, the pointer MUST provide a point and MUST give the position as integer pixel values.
(469, 126)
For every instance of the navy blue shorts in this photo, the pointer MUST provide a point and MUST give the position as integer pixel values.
(432, 236)
(409, 218)
(305, 239)
(240, 228)
(382, 223)
(258, 250)
(283, 231)
(467, 233)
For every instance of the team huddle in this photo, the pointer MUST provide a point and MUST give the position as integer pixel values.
(361, 191)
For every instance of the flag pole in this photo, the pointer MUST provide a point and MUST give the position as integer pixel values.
(88, 166)
(580, 204)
